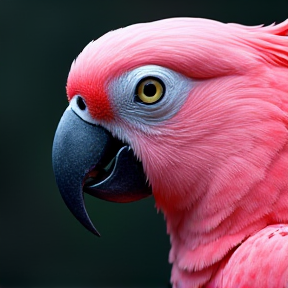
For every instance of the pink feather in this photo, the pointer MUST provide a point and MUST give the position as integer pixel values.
(219, 168)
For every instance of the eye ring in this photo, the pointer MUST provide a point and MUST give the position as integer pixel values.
(150, 90)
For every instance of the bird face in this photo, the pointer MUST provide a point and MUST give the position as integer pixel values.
(105, 158)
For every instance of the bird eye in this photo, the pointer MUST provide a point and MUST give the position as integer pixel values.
(150, 90)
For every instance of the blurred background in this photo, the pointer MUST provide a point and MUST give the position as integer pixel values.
(41, 244)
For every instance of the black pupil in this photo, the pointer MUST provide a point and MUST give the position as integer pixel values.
(81, 104)
(149, 89)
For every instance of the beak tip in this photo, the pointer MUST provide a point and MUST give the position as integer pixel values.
(94, 231)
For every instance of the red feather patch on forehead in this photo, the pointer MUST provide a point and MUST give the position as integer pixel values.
(82, 81)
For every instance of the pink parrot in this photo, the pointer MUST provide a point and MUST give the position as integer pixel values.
(194, 112)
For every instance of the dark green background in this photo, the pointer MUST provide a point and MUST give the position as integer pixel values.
(41, 244)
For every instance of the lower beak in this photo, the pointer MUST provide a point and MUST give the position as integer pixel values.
(87, 158)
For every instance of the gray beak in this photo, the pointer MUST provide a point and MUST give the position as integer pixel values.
(87, 159)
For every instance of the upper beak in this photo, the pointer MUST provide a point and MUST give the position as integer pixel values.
(87, 158)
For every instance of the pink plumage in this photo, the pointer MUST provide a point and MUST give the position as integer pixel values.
(219, 167)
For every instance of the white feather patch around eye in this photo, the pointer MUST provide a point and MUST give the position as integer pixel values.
(122, 93)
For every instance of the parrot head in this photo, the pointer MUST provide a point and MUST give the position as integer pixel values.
(173, 108)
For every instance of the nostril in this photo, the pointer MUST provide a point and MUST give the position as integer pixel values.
(81, 104)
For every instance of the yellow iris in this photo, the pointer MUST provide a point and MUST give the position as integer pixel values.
(150, 90)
